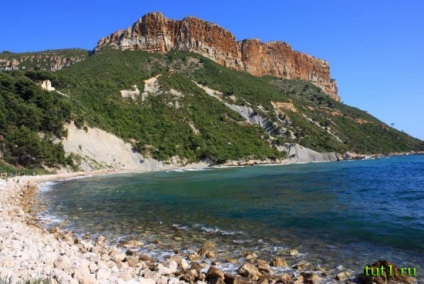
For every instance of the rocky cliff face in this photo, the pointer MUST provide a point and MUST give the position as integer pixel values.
(49, 60)
(155, 33)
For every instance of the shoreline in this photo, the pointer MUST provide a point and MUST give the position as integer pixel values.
(29, 251)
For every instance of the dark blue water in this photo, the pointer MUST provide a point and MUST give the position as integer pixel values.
(335, 214)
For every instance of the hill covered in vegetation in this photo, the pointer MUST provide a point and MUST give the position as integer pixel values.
(181, 105)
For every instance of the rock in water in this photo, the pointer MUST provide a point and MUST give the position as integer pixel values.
(130, 244)
(310, 278)
(278, 262)
(263, 267)
(250, 271)
(285, 279)
(343, 276)
(207, 250)
(293, 252)
(214, 272)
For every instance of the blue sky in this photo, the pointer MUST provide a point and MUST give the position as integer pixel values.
(375, 48)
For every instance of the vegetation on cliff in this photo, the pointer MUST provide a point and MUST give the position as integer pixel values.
(180, 118)
(30, 120)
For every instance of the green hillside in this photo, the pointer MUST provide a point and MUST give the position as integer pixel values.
(181, 119)
(30, 120)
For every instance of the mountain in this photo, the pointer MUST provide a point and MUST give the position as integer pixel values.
(129, 109)
(155, 33)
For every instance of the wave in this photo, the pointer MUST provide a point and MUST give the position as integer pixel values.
(216, 230)
(180, 227)
(188, 170)
(47, 186)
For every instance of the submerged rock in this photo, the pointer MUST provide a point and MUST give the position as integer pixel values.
(293, 252)
(343, 276)
(207, 250)
(250, 256)
(130, 244)
(213, 273)
(301, 265)
(168, 267)
(310, 278)
(285, 279)
(278, 262)
(264, 267)
(249, 270)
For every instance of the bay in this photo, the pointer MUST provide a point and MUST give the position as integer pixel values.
(339, 215)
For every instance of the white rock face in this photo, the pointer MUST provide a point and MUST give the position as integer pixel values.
(102, 150)
(300, 154)
(246, 112)
(47, 85)
(151, 87)
(132, 93)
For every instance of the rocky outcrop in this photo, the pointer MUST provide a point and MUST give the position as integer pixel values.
(155, 33)
(300, 154)
(49, 60)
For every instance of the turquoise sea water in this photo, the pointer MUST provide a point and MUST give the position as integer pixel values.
(340, 215)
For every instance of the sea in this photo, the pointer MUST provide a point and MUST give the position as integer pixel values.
(334, 216)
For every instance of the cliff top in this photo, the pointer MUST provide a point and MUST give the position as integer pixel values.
(155, 33)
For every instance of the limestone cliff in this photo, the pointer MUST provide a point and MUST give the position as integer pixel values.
(155, 33)
(51, 60)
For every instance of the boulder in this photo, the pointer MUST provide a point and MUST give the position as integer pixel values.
(85, 278)
(230, 260)
(343, 276)
(203, 251)
(196, 266)
(145, 257)
(132, 261)
(293, 252)
(250, 271)
(213, 273)
(250, 256)
(301, 265)
(310, 278)
(237, 279)
(210, 254)
(278, 262)
(103, 274)
(263, 267)
(130, 244)
(100, 240)
(194, 256)
(168, 267)
(190, 275)
(298, 280)
(62, 262)
(285, 279)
